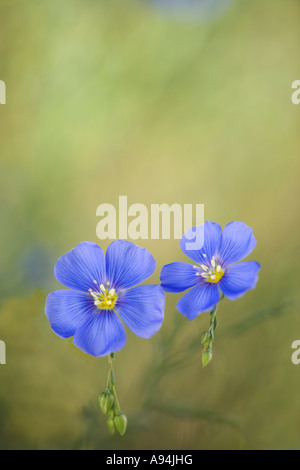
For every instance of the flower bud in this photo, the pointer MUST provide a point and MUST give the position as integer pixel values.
(205, 337)
(101, 401)
(111, 425)
(206, 357)
(106, 401)
(121, 422)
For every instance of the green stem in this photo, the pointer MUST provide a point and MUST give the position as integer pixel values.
(208, 336)
(109, 403)
(111, 381)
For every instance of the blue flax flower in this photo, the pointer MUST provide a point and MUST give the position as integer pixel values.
(215, 269)
(102, 293)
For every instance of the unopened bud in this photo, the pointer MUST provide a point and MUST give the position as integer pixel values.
(206, 357)
(111, 425)
(205, 337)
(121, 423)
(106, 401)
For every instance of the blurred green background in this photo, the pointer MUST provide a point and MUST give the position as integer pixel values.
(122, 97)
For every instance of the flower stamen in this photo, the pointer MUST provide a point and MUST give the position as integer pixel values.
(212, 272)
(104, 298)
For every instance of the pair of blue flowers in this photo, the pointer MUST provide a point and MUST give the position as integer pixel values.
(104, 293)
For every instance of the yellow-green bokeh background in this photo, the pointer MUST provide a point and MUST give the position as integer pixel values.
(109, 98)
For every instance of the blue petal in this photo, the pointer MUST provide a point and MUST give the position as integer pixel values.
(237, 242)
(201, 243)
(239, 278)
(200, 298)
(79, 267)
(66, 311)
(128, 264)
(142, 309)
(177, 277)
(101, 334)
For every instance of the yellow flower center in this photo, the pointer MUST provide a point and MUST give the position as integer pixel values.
(216, 275)
(105, 298)
(212, 272)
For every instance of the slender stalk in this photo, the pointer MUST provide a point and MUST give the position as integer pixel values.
(109, 403)
(111, 382)
(208, 336)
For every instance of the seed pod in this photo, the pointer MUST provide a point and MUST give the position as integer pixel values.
(205, 337)
(121, 422)
(106, 401)
(111, 425)
(206, 357)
